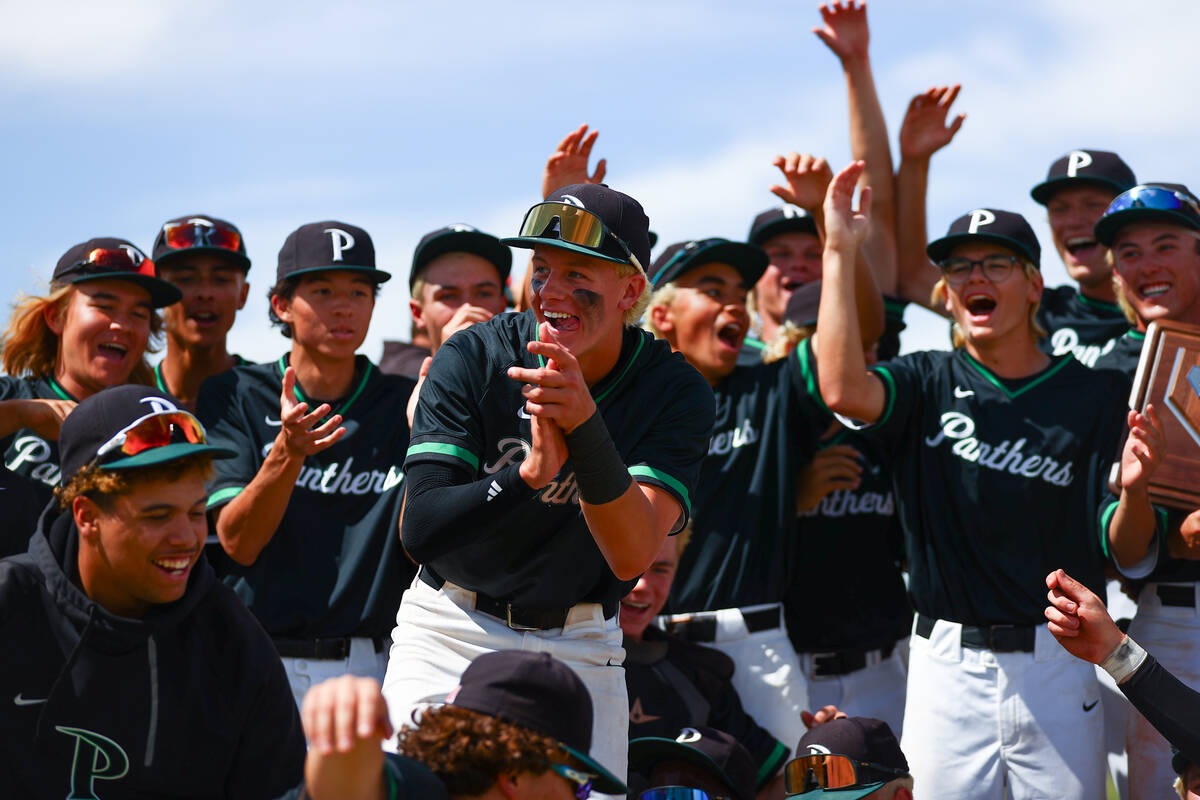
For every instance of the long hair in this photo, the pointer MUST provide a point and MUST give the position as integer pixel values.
(30, 347)
(958, 338)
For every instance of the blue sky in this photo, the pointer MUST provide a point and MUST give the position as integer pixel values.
(402, 117)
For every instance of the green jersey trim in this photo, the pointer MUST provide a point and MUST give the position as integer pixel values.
(1013, 395)
(1105, 518)
(1136, 335)
(158, 379)
(1100, 305)
(889, 387)
(461, 453)
(658, 475)
(810, 376)
(628, 366)
(62, 393)
(224, 495)
(772, 763)
(755, 343)
(362, 384)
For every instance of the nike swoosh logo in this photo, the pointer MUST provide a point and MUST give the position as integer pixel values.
(1087, 707)
(276, 423)
(962, 393)
(26, 701)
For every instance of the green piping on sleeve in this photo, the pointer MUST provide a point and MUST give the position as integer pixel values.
(769, 767)
(461, 453)
(224, 495)
(889, 385)
(1105, 518)
(680, 489)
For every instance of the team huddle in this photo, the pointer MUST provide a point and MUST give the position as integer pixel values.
(685, 526)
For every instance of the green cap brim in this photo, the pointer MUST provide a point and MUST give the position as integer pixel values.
(605, 781)
(170, 452)
(378, 275)
(161, 292)
(1110, 225)
(840, 794)
(528, 243)
(750, 261)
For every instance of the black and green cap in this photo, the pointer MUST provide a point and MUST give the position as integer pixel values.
(460, 238)
(111, 258)
(749, 260)
(97, 429)
(325, 246)
(1085, 168)
(200, 233)
(1004, 228)
(714, 751)
(625, 224)
(1172, 203)
(781, 219)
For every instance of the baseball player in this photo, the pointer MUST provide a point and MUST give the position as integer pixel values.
(850, 758)
(130, 670)
(732, 577)
(307, 512)
(89, 333)
(997, 476)
(518, 548)
(205, 258)
(788, 234)
(1087, 321)
(1153, 233)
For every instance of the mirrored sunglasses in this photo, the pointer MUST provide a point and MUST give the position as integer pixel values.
(153, 430)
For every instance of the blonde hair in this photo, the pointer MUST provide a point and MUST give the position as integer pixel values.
(790, 335)
(635, 312)
(938, 298)
(662, 296)
(30, 347)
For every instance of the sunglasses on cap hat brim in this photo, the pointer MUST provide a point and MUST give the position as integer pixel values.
(1144, 204)
(201, 235)
(156, 438)
(835, 775)
(571, 228)
(678, 793)
(119, 263)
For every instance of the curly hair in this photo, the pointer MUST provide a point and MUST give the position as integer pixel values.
(105, 485)
(31, 348)
(468, 750)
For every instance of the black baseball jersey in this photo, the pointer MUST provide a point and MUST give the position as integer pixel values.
(25, 452)
(161, 382)
(742, 547)
(1123, 357)
(752, 352)
(334, 566)
(848, 592)
(675, 684)
(1078, 325)
(997, 481)
(658, 411)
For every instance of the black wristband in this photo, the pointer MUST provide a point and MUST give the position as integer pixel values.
(599, 471)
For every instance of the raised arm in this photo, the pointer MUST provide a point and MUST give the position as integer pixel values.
(1131, 529)
(807, 182)
(569, 163)
(246, 524)
(922, 134)
(848, 35)
(846, 386)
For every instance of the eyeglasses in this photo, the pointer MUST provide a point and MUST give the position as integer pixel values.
(824, 771)
(572, 224)
(1154, 197)
(996, 268)
(153, 430)
(677, 793)
(582, 781)
(199, 232)
(120, 259)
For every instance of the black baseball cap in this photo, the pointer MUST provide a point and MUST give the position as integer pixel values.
(712, 750)
(861, 738)
(1172, 203)
(323, 246)
(622, 216)
(101, 422)
(200, 233)
(989, 225)
(1179, 761)
(803, 305)
(110, 258)
(782, 219)
(1085, 167)
(749, 260)
(537, 692)
(460, 238)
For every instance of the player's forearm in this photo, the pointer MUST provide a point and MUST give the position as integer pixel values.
(631, 529)
(1131, 529)
(246, 524)
(868, 302)
(356, 775)
(915, 275)
(12, 416)
(869, 144)
(841, 367)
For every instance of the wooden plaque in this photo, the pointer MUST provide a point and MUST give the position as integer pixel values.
(1168, 375)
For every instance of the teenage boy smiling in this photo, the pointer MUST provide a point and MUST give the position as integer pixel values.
(308, 511)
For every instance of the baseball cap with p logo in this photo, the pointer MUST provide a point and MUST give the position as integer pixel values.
(1082, 168)
(329, 245)
(110, 258)
(1004, 228)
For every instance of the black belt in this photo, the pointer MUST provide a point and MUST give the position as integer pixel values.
(519, 618)
(1177, 596)
(336, 648)
(997, 638)
(704, 628)
(846, 661)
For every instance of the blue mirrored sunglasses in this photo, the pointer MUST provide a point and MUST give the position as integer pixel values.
(1154, 197)
(676, 793)
(581, 782)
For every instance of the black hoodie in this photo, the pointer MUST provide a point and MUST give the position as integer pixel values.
(189, 701)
